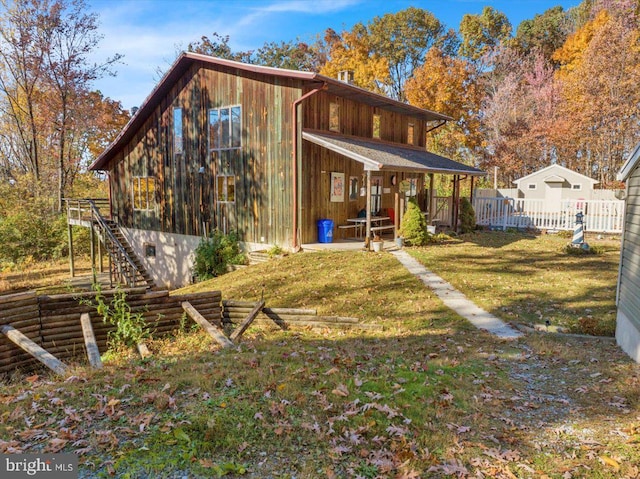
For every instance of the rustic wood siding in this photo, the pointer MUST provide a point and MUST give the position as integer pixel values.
(185, 199)
(317, 163)
(628, 300)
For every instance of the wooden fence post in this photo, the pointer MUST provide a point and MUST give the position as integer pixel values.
(206, 325)
(245, 324)
(93, 353)
(32, 348)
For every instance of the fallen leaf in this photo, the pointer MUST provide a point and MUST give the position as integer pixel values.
(341, 390)
(610, 462)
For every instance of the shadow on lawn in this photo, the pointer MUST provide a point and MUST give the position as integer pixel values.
(347, 400)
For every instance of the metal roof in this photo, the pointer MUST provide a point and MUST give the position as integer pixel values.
(379, 155)
(186, 59)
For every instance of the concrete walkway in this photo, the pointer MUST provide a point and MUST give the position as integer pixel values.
(455, 300)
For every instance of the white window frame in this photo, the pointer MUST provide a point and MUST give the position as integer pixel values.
(576, 186)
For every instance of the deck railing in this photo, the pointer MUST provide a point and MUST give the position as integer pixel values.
(601, 216)
(87, 212)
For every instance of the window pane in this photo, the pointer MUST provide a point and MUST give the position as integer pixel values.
(214, 129)
(376, 126)
(231, 188)
(143, 193)
(136, 193)
(177, 130)
(225, 131)
(151, 193)
(334, 117)
(236, 127)
(220, 193)
(410, 134)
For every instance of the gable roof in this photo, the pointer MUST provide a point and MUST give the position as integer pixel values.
(558, 169)
(630, 164)
(378, 155)
(186, 59)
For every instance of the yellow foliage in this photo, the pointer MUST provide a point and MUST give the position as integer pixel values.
(571, 54)
(353, 52)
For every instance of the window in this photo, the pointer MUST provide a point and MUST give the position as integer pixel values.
(334, 116)
(177, 131)
(226, 188)
(410, 134)
(532, 186)
(225, 128)
(144, 192)
(376, 126)
(149, 250)
(576, 187)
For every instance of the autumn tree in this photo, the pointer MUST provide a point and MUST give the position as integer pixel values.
(403, 39)
(544, 33)
(599, 75)
(482, 33)
(21, 72)
(353, 51)
(449, 85)
(45, 81)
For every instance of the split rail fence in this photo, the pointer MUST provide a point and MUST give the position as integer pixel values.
(600, 216)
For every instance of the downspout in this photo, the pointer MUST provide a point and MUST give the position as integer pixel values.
(294, 166)
(442, 123)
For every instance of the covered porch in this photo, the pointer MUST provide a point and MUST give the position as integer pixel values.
(365, 184)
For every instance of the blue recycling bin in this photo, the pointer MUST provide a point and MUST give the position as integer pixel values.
(325, 230)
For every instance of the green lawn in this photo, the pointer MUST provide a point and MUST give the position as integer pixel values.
(428, 397)
(531, 279)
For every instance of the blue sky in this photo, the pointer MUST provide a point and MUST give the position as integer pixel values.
(149, 33)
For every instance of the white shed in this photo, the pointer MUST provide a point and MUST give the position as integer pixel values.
(554, 184)
(628, 295)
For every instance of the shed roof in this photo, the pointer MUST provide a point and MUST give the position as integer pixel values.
(186, 59)
(380, 155)
(553, 170)
(630, 164)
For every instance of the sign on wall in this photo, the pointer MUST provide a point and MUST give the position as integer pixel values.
(337, 187)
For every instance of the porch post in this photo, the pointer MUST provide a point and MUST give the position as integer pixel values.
(368, 208)
(431, 197)
(70, 233)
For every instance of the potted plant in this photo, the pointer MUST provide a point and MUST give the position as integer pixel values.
(377, 243)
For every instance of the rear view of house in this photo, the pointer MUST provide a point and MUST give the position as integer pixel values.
(263, 152)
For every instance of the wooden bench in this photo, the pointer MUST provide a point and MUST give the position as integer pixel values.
(354, 226)
(375, 229)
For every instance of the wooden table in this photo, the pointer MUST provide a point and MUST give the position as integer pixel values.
(362, 221)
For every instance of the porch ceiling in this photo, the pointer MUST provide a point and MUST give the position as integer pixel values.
(378, 155)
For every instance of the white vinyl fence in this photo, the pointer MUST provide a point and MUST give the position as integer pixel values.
(602, 216)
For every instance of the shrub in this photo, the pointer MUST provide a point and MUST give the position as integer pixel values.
(130, 328)
(214, 254)
(467, 216)
(32, 233)
(414, 225)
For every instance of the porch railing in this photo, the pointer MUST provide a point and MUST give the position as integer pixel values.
(124, 268)
(601, 216)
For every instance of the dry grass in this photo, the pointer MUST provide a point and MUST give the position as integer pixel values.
(47, 277)
(428, 397)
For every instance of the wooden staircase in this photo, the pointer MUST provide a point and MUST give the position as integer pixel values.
(125, 264)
